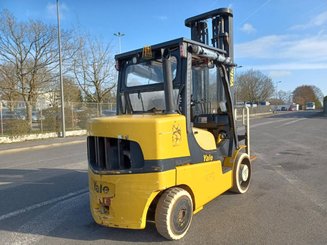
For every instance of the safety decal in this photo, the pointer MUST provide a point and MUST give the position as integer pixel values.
(177, 134)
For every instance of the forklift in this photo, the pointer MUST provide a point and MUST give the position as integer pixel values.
(173, 144)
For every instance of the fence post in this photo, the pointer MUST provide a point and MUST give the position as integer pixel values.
(73, 126)
(97, 109)
(41, 119)
(1, 118)
(243, 117)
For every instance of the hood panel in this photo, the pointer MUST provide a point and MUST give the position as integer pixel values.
(160, 136)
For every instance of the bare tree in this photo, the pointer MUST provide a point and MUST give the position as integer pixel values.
(274, 101)
(72, 92)
(8, 89)
(31, 48)
(94, 70)
(319, 94)
(254, 86)
(285, 96)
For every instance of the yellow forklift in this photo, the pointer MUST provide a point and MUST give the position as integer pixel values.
(173, 145)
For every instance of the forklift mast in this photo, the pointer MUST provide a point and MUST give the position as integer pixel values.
(221, 35)
(222, 29)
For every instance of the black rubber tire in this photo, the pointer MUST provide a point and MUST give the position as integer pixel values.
(240, 186)
(174, 213)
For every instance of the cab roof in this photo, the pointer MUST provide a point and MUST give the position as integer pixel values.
(171, 43)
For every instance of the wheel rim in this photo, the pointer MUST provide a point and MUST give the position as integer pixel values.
(181, 216)
(244, 173)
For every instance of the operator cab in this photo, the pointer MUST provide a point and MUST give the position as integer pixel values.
(175, 77)
(187, 77)
(141, 81)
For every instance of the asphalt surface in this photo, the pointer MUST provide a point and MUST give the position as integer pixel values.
(44, 195)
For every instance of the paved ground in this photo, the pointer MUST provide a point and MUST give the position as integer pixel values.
(44, 198)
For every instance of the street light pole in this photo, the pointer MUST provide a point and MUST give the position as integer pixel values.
(277, 89)
(63, 127)
(119, 35)
(291, 98)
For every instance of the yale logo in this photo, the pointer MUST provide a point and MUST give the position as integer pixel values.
(177, 135)
(101, 188)
(207, 157)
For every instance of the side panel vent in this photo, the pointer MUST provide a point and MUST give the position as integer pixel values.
(110, 154)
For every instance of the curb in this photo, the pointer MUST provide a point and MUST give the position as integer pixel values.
(15, 139)
(37, 147)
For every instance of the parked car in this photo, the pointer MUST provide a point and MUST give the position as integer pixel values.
(36, 116)
(7, 115)
(106, 113)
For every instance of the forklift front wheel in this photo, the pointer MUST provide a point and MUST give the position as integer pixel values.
(242, 174)
(174, 213)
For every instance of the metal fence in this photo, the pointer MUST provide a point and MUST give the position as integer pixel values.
(13, 117)
(257, 109)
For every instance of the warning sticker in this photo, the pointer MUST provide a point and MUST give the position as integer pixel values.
(147, 52)
(231, 77)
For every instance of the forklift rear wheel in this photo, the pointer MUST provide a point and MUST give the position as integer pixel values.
(242, 174)
(174, 213)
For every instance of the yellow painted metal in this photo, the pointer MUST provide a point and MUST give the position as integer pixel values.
(130, 197)
(206, 180)
(230, 161)
(220, 138)
(198, 210)
(205, 139)
(160, 136)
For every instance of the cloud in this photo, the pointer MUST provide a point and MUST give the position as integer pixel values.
(320, 19)
(309, 49)
(317, 21)
(293, 47)
(248, 28)
(281, 54)
(291, 66)
(263, 47)
(279, 73)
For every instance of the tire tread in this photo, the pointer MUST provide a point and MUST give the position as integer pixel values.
(162, 212)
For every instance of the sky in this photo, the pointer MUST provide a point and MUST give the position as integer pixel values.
(284, 39)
